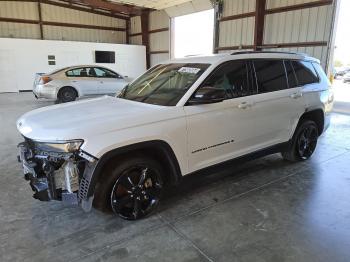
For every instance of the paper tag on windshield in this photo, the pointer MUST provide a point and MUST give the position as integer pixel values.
(189, 70)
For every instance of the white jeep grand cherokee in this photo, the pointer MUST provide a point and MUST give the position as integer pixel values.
(177, 118)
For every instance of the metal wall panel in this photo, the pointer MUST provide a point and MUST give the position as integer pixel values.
(319, 52)
(59, 14)
(135, 40)
(237, 32)
(280, 3)
(135, 24)
(306, 25)
(82, 34)
(19, 30)
(51, 13)
(159, 41)
(158, 19)
(135, 28)
(22, 10)
(158, 58)
(235, 7)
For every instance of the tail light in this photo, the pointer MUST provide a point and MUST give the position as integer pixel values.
(44, 80)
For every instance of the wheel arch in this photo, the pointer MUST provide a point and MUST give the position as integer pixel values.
(158, 149)
(316, 115)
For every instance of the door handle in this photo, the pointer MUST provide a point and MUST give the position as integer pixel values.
(244, 105)
(74, 81)
(101, 82)
(296, 95)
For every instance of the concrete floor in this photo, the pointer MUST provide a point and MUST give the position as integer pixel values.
(265, 210)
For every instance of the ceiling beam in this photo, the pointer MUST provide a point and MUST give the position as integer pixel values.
(124, 9)
(78, 7)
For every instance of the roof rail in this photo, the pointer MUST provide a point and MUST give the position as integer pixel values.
(265, 52)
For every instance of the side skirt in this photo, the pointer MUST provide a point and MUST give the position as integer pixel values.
(245, 158)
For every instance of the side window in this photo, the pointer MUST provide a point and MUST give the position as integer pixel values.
(102, 72)
(232, 77)
(271, 75)
(81, 72)
(292, 80)
(305, 72)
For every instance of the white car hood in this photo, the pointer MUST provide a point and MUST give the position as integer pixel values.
(78, 120)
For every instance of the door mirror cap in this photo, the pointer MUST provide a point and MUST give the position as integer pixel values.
(207, 95)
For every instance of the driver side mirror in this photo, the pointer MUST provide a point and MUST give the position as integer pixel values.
(207, 95)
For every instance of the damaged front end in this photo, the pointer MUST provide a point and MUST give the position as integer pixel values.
(58, 171)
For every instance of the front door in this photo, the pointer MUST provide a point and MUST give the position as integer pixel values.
(223, 130)
(110, 82)
(84, 79)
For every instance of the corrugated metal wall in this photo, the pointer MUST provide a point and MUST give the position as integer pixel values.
(51, 13)
(238, 32)
(159, 41)
(307, 25)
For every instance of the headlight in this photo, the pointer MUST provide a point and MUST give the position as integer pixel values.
(64, 146)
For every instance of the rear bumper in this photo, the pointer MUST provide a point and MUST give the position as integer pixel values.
(45, 91)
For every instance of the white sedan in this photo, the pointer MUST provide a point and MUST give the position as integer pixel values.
(68, 83)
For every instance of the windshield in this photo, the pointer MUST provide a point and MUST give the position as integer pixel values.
(164, 84)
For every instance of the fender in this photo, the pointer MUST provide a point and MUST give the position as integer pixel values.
(93, 171)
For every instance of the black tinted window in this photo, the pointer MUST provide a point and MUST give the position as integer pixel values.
(292, 81)
(305, 72)
(233, 77)
(270, 75)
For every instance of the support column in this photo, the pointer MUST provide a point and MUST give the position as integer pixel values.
(145, 35)
(127, 31)
(259, 24)
(40, 21)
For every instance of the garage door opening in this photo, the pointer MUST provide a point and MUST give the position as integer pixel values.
(193, 34)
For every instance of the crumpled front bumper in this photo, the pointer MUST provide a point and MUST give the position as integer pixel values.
(57, 176)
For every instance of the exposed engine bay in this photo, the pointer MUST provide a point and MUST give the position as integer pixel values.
(56, 175)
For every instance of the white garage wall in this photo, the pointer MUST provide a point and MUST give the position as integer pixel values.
(20, 59)
(51, 13)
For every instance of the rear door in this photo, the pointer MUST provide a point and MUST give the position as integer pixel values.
(279, 102)
(84, 79)
(110, 82)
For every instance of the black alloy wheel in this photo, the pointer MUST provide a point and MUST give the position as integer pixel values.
(303, 143)
(307, 141)
(137, 192)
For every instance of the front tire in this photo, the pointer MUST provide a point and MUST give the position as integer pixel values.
(303, 143)
(132, 189)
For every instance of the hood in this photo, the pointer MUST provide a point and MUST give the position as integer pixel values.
(78, 120)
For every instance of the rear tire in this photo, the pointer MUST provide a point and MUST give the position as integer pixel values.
(130, 187)
(67, 94)
(303, 143)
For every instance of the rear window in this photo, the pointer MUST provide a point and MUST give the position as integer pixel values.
(57, 71)
(305, 72)
(271, 75)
